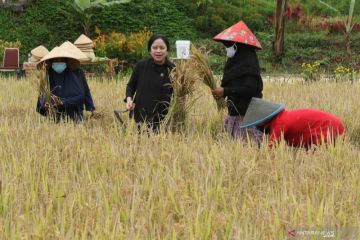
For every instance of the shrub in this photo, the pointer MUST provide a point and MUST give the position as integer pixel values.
(213, 16)
(202, 23)
(217, 24)
(159, 16)
(343, 73)
(44, 22)
(131, 47)
(41, 23)
(310, 71)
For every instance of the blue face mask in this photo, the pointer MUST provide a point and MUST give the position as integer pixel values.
(58, 67)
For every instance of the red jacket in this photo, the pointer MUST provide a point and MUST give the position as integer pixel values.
(304, 127)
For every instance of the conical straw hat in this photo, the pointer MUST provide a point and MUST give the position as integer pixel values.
(87, 50)
(259, 111)
(90, 54)
(61, 52)
(34, 59)
(84, 44)
(73, 49)
(84, 48)
(39, 51)
(83, 40)
(240, 33)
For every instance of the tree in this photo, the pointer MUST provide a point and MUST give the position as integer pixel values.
(83, 9)
(278, 46)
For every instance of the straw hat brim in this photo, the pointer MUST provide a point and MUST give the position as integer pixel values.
(87, 51)
(260, 111)
(84, 44)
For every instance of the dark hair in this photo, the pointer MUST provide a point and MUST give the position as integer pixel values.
(155, 37)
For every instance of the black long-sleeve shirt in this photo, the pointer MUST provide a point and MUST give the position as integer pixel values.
(150, 84)
(240, 91)
(72, 88)
(242, 80)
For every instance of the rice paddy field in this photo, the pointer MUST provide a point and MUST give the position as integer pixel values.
(97, 180)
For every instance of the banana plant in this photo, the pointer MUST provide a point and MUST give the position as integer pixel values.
(84, 10)
(203, 2)
(329, 6)
(349, 20)
(86, 4)
(349, 24)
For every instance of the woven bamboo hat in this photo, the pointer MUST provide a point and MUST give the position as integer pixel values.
(38, 53)
(259, 111)
(86, 45)
(73, 49)
(61, 52)
(83, 40)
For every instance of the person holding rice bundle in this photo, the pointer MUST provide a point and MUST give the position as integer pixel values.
(149, 92)
(298, 128)
(241, 80)
(68, 88)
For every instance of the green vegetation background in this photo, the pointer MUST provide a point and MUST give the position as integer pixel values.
(43, 22)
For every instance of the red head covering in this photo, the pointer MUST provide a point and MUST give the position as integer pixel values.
(240, 33)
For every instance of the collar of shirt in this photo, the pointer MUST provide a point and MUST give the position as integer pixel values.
(167, 63)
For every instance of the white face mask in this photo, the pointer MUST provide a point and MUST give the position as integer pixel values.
(230, 51)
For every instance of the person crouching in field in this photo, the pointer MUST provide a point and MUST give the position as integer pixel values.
(241, 80)
(68, 86)
(149, 92)
(299, 128)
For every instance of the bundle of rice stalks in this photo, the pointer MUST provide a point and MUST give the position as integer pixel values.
(182, 78)
(201, 61)
(43, 86)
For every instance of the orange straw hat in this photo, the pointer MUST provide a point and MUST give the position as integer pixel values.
(62, 52)
(240, 33)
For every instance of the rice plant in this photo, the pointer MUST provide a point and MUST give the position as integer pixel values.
(183, 78)
(94, 180)
(45, 93)
(201, 61)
